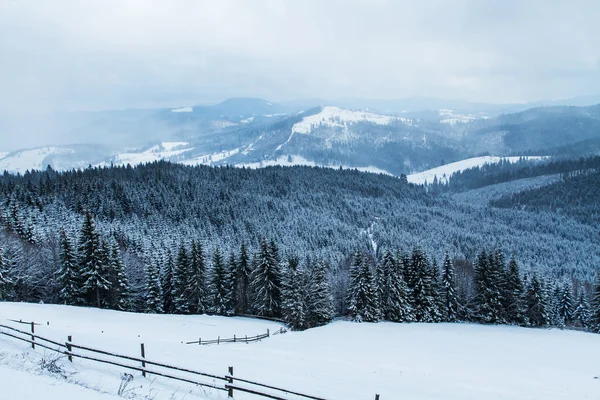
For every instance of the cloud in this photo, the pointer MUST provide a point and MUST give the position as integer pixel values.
(72, 54)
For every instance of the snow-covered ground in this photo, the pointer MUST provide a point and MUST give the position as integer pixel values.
(208, 159)
(3, 154)
(342, 360)
(452, 118)
(182, 109)
(162, 151)
(335, 116)
(23, 160)
(445, 171)
(288, 161)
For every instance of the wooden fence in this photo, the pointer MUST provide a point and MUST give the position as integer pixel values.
(228, 383)
(238, 339)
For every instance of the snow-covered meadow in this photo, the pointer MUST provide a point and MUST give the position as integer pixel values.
(342, 360)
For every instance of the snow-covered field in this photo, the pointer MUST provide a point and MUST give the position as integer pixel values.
(162, 151)
(342, 360)
(284, 161)
(445, 171)
(24, 160)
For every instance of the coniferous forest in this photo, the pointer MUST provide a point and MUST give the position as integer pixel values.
(300, 244)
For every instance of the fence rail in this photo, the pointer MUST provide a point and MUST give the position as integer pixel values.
(238, 339)
(230, 383)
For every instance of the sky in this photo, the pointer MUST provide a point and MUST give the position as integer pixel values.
(108, 54)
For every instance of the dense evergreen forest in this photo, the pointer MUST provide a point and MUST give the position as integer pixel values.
(303, 244)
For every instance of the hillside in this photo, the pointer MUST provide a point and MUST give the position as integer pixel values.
(464, 361)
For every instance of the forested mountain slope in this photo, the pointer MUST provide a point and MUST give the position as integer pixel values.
(310, 212)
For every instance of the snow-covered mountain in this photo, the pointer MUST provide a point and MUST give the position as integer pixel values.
(57, 157)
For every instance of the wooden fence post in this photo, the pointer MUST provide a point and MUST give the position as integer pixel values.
(69, 347)
(218, 339)
(143, 356)
(376, 397)
(268, 334)
(246, 338)
(199, 341)
(32, 333)
(233, 338)
(230, 380)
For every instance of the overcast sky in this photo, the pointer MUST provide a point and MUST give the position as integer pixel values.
(94, 54)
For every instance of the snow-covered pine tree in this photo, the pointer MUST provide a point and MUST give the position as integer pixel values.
(380, 281)
(153, 292)
(266, 282)
(422, 301)
(595, 310)
(93, 263)
(221, 286)
(196, 288)
(535, 300)
(488, 301)
(436, 292)
(449, 297)
(582, 313)
(553, 302)
(167, 284)
(68, 276)
(4, 281)
(292, 299)
(565, 306)
(320, 299)
(396, 306)
(180, 300)
(120, 290)
(514, 292)
(499, 277)
(241, 277)
(362, 296)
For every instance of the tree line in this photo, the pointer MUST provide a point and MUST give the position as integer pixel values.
(396, 286)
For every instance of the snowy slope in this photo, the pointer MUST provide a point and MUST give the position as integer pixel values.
(452, 118)
(182, 110)
(445, 171)
(339, 117)
(162, 151)
(3, 154)
(23, 160)
(342, 360)
(288, 161)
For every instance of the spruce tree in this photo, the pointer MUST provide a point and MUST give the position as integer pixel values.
(362, 295)
(582, 313)
(4, 281)
(68, 276)
(167, 284)
(488, 299)
(535, 300)
(435, 290)
(565, 306)
(515, 306)
(450, 300)
(396, 305)
(266, 282)
(320, 300)
(423, 302)
(292, 299)
(196, 288)
(241, 277)
(381, 289)
(221, 286)
(93, 263)
(595, 311)
(120, 289)
(180, 274)
(153, 292)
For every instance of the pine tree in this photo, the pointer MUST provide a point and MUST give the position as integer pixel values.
(93, 263)
(241, 278)
(565, 306)
(292, 299)
(120, 289)
(362, 295)
(423, 302)
(4, 281)
(595, 311)
(320, 300)
(554, 299)
(515, 307)
(196, 281)
(180, 300)
(154, 299)
(488, 299)
(266, 282)
(396, 306)
(68, 276)
(582, 313)
(167, 284)
(381, 289)
(435, 291)
(450, 300)
(221, 286)
(535, 300)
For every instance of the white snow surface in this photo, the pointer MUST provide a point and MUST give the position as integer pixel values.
(208, 159)
(343, 360)
(23, 160)
(162, 151)
(182, 109)
(247, 120)
(335, 116)
(445, 171)
(3, 154)
(452, 118)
